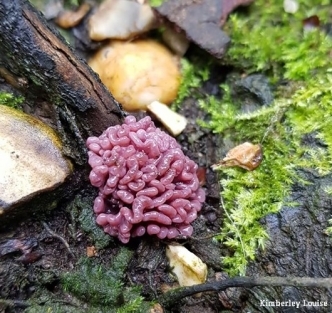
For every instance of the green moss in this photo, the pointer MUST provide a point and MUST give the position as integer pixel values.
(72, 3)
(270, 41)
(58, 308)
(96, 287)
(102, 287)
(10, 100)
(156, 3)
(192, 77)
(81, 210)
(248, 196)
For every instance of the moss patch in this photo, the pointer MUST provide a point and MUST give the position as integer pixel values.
(265, 39)
(156, 3)
(10, 100)
(81, 209)
(268, 39)
(192, 77)
(103, 287)
(93, 286)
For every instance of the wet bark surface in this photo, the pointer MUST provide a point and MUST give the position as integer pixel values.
(63, 89)
(59, 88)
(298, 246)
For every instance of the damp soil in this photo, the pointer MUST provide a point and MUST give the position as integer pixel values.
(37, 250)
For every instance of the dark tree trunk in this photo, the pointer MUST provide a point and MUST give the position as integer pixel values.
(35, 59)
(59, 88)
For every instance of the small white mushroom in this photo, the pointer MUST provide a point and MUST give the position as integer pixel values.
(188, 268)
(173, 122)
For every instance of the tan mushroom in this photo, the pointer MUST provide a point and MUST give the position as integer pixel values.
(138, 73)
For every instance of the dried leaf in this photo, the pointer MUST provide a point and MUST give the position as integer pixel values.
(91, 251)
(246, 155)
(201, 174)
(201, 21)
(15, 245)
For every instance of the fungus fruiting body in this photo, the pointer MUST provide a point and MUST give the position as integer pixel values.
(138, 72)
(146, 184)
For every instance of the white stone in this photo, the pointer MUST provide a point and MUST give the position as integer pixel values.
(173, 122)
(31, 161)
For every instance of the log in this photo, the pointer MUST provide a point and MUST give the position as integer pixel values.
(58, 85)
(60, 89)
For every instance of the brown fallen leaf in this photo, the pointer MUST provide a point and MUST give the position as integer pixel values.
(201, 174)
(247, 156)
(201, 21)
(311, 22)
(156, 308)
(91, 251)
(30, 257)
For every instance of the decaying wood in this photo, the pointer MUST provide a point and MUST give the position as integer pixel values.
(36, 59)
(59, 88)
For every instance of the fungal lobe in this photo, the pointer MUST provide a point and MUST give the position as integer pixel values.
(153, 185)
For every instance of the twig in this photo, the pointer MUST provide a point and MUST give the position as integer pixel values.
(173, 296)
(25, 304)
(14, 303)
(279, 114)
(236, 229)
(63, 240)
(205, 237)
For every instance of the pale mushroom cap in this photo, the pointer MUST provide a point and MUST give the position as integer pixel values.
(138, 73)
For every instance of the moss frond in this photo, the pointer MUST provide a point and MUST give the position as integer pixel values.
(270, 41)
(10, 100)
(192, 77)
(103, 287)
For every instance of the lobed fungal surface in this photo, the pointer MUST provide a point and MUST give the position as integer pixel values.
(146, 184)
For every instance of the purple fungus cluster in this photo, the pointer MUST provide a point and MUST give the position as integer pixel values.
(146, 184)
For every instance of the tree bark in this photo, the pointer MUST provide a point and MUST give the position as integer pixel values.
(59, 88)
(35, 59)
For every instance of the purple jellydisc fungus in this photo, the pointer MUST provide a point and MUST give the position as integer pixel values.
(146, 184)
